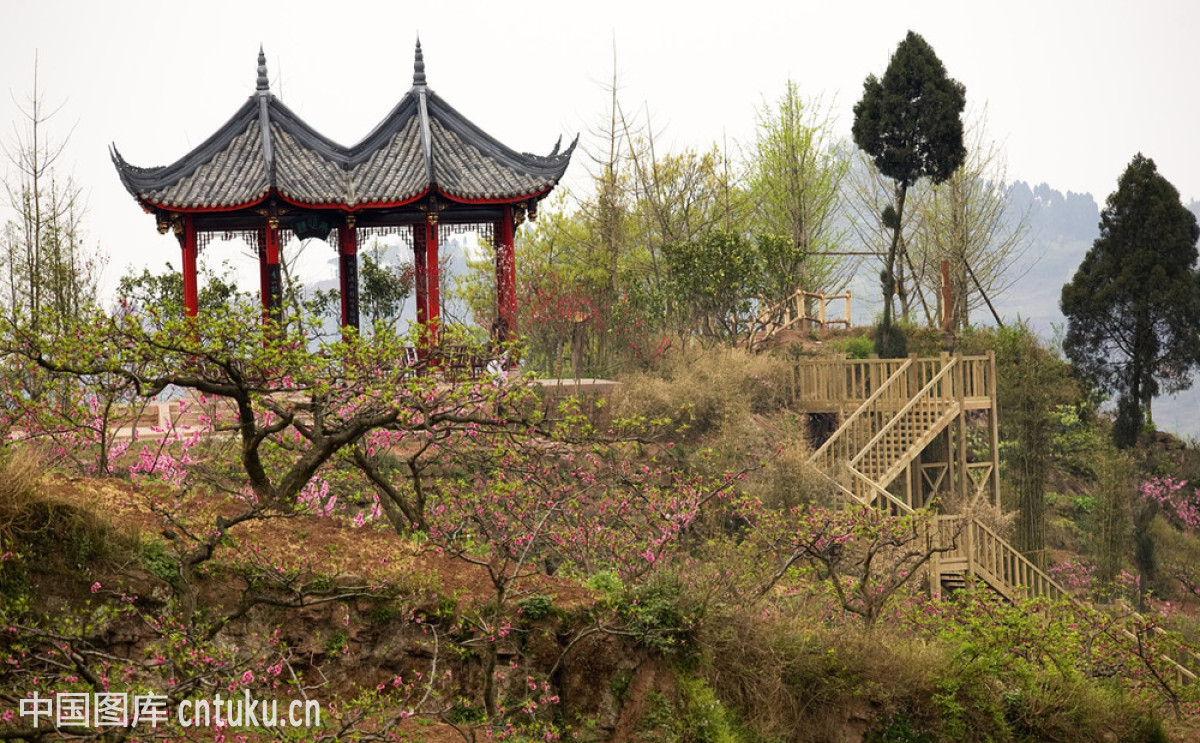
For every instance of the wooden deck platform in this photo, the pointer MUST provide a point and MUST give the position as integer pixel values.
(840, 384)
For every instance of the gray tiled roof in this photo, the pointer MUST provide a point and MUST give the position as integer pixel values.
(422, 144)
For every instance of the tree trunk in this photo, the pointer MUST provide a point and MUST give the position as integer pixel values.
(889, 276)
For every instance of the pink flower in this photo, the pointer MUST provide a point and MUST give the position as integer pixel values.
(95, 586)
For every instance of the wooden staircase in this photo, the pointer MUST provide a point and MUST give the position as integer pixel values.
(883, 437)
(906, 405)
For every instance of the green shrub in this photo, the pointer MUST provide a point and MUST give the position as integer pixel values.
(536, 607)
(697, 717)
(855, 347)
(898, 728)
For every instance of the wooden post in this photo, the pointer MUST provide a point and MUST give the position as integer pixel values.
(264, 278)
(187, 242)
(947, 299)
(419, 234)
(273, 301)
(968, 527)
(912, 380)
(964, 474)
(348, 271)
(933, 543)
(994, 414)
(506, 275)
(433, 281)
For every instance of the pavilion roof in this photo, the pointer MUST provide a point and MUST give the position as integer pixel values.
(423, 145)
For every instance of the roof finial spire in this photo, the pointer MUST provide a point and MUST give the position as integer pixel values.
(419, 66)
(263, 85)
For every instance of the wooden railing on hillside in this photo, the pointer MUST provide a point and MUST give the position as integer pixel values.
(968, 547)
(856, 430)
(793, 311)
(838, 382)
(977, 550)
(891, 427)
(898, 407)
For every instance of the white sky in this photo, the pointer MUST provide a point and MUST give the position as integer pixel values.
(1073, 89)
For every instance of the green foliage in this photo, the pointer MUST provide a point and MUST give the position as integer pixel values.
(536, 607)
(148, 293)
(1133, 306)
(658, 612)
(1077, 440)
(856, 347)
(794, 181)
(899, 728)
(382, 291)
(156, 558)
(1031, 384)
(337, 642)
(661, 614)
(705, 719)
(697, 717)
(890, 341)
(1112, 517)
(714, 279)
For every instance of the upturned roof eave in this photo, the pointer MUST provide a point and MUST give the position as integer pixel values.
(552, 166)
(139, 180)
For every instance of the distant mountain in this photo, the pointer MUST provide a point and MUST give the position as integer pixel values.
(1062, 229)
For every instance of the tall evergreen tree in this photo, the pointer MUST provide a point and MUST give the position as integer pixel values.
(1133, 307)
(910, 123)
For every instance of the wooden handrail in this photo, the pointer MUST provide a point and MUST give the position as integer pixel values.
(917, 400)
(823, 380)
(840, 436)
(841, 380)
(1002, 562)
(898, 507)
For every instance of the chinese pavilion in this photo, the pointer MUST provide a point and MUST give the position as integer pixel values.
(423, 173)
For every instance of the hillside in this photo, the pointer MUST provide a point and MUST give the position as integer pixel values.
(686, 583)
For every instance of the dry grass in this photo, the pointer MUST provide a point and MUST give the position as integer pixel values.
(709, 390)
(39, 529)
(799, 682)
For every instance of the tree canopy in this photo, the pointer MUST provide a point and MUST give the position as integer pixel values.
(1133, 307)
(910, 122)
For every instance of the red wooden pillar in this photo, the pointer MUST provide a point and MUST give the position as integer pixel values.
(506, 278)
(433, 292)
(187, 241)
(419, 277)
(264, 280)
(348, 271)
(270, 273)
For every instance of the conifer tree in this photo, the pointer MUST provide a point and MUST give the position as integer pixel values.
(1133, 307)
(910, 123)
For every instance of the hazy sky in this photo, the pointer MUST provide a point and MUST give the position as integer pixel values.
(1072, 89)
